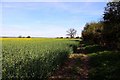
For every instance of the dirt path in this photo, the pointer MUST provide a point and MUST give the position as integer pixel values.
(75, 68)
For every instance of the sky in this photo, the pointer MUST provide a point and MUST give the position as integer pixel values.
(48, 19)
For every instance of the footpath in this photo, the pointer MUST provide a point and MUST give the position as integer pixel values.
(75, 68)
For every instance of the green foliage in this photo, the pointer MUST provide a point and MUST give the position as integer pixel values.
(93, 48)
(92, 32)
(105, 65)
(106, 32)
(33, 58)
(111, 31)
(112, 13)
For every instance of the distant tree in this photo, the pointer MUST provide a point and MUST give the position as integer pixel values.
(28, 37)
(67, 37)
(77, 37)
(20, 36)
(71, 32)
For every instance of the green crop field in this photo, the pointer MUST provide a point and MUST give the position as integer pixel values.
(33, 57)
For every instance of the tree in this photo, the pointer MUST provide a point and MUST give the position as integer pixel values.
(71, 32)
(111, 31)
(20, 36)
(93, 32)
(28, 37)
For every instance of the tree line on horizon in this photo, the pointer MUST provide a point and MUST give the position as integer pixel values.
(107, 31)
(24, 37)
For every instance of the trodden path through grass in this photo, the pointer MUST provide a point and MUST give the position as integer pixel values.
(75, 68)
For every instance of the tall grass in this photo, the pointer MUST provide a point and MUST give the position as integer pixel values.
(33, 58)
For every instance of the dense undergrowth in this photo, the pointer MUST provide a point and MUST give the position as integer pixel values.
(104, 63)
